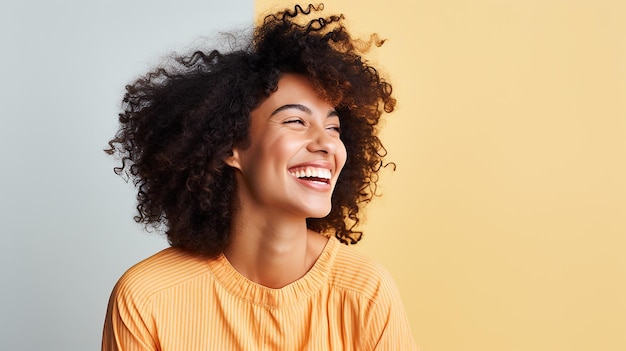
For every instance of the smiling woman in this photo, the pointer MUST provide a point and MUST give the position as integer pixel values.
(293, 135)
(256, 163)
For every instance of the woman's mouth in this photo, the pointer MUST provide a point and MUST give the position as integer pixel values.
(312, 174)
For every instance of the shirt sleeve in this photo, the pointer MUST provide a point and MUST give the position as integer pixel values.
(389, 327)
(128, 325)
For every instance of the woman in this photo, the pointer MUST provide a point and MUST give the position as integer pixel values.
(256, 163)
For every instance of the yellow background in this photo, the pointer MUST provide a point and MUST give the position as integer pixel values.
(505, 222)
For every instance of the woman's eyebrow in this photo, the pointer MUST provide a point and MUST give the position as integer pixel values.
(292, 106)
(302, 108)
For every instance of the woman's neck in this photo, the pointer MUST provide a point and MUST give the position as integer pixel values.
(272, 253)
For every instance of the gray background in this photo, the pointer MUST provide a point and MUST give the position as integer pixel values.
(65, 217)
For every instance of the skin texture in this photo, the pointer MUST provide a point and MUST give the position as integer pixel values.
(293, 129)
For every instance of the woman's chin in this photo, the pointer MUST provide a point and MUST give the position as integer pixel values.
(319, 212)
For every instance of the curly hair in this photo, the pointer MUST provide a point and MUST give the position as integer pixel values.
(180, 122)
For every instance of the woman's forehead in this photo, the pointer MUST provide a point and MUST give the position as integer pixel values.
(294, 91)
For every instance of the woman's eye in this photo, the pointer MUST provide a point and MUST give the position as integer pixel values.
(335, 129)
(294, 121)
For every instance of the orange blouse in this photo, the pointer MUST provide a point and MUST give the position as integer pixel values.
(174, 301)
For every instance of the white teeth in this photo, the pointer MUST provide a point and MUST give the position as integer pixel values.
(311, 172)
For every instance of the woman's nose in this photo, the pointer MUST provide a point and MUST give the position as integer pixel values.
(322, 141)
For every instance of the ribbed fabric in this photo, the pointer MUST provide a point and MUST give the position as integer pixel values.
(174, 301)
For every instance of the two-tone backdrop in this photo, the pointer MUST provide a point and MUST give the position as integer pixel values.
(504, 224)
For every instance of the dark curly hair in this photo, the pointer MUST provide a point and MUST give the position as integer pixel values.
(180, 122)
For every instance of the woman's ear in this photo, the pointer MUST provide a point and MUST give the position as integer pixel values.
(233, 159)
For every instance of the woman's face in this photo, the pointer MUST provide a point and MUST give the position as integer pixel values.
(295, 154)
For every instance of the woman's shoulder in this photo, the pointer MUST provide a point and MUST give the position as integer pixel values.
(354, 271)
(161, 271)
